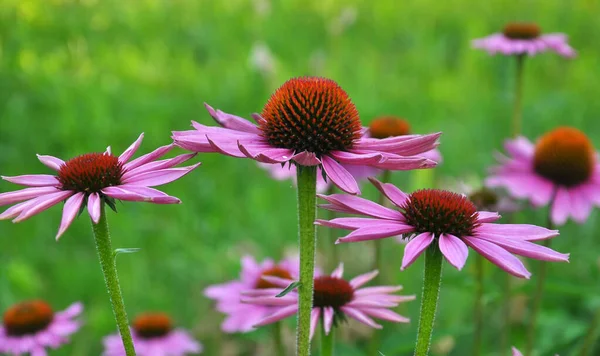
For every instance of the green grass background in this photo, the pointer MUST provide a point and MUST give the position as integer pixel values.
(77, 76)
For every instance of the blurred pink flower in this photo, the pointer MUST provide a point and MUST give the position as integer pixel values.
(31, 327)
(447, 220)
(562, 169)
(308, 121)
(153, 335)
(334, 299)
(279, 172)
(516, 352)
(91, 179)
(242, 317)
(524, 38)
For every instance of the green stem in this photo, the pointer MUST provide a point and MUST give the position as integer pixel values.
(327, 342)
(432, 280)
(478, 312)
(517, 109)
(278, 340)
(331, 236)
(590, 337)
(307, 181)
(109, 270)
(507, 294)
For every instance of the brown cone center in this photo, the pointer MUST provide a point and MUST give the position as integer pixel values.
(522, 30)
(152, 325)
(388, 126)
(28, 318)
(273, 272)
(89, 173)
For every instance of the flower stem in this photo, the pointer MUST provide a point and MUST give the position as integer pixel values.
(507, 294)
(307, 181)
(109, 270)
(590, 337)
(517, 109)
(327, 342)
(278, 340)
(478, 312)
(432, 280)
(331, 235)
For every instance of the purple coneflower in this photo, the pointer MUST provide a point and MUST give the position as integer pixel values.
(241, 317)
(524, 38)
(334, 299)
(562, 169)
(91, 179)
(154, 335)
(31, 327)
(309, 122)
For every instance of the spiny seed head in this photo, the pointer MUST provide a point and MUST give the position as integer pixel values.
(274, 272)
(311, 114)
(484, 198)
(565, 156)
(440, 212)
(522, 30)
(388, 126)
(332, 292)
(152, 325)
(89, 173)
(27, 318)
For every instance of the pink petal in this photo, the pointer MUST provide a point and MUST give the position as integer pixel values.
(159, 177)
(363, 279)
(71, 312)
(272, 300)
(43, 203)
(394, 194)
(375, 290)
(581, 205)
(328, 319)
(15, 210)
(231, 121)
(519, 231)
(149, 157)
(51, 162)
(357, 158)
(372, 302)
(262, 151)
(360, 316)
(487, 216)
(339, 271)
(94, 207)
(526, 248)
(25, 194)
(348, 223)
(561, 206)
(415, 247)
(454, 250)
(139, 193)
(34, 180)
(277, 281)
(386, 314)
(357, 205)
(401, 163)
(340, 176)
(314, 320)
(130, 151)
(157, 165)
(520, 148)
(226, 145)
(516, 352)
(306, 159)
(498, 256)
(70, 211)
(278, 315)
(379, 231)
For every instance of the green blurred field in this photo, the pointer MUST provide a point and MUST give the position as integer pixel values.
(77, 76)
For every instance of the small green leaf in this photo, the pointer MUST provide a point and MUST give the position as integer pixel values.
(288, 289)
(126, 250)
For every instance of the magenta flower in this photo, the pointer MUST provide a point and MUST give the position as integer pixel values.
(524, 38)
(242, 317)
(562, 169)
(334, 299)
(448, 221)
(91, 179)
(32, 327)
(153, 335)
(516, 352)
(310, 122)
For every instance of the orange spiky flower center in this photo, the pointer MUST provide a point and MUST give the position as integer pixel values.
(388, 126)
(311, 114)
(91, 172)
(522, 30)
(272, 272)
(27, 318)
(440, 212)
(565, 156)
(152, 325)
(332, 292)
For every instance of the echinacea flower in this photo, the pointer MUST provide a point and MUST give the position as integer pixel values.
(445, 219)
(561, 169)
(524, 38)
(334, 299)
(242, 317)
(516, 352)
(31, 327)
(90, 180)
(154, 335)
(308, 121)
(484, 198)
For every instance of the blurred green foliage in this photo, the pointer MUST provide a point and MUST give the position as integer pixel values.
(76, 76)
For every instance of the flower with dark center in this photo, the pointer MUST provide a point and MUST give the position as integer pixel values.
(308, 121)
(484, 198)
(92, 179)
(388, 126)
(153, 334)
(519, 38)
(242, 317)
(433, 218)
(31, 327)
(334, 300)
(562, 169)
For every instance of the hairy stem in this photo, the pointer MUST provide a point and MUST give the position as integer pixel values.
(478, 309)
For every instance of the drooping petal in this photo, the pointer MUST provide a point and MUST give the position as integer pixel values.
(360, 316)
(139, 193)
(70, 211)
(306, 159)
(339, 271)
(34, 180)
(94, 207)
(357, 205)
(454, 250)
(149, 157)
(51, 162)
(159, 177)
(230, 121)
(328, 319)
(487, 216)
(516, 352)
(394, 194)
(415, 247)
(385, 314)
(279, 315)
(518, 231)
(157, 165)
(348, 223)
(375, 290)
(526, 248)
(339, 175)
(561, 206)
(25, 194)
(315, 314)
(130, 151)
(42, 203)
(498, 256)
(363, 279)
(366, 159)
(262, 151)
(379, 231)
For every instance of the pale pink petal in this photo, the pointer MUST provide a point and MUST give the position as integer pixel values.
(34, 180)
(149, 157)
(394, 194)
(42, 204)
(357, 205)
(520, 231)
(379, 231)
(306, 159)
(561, 206)
(338, 272)
(140, 193)
(339, 175)
(15, 210)
(156, 165)
(278, 315)
(385, 314)
(487, 216)
(231, 121)
(262, 151)
(314, 320)
(272, 300)
(25, 194)
(328, 319)
(357, 158)
(130, 151)
(72, 311)
(51, 162)
(454, 250)
(498, 256)
(415, 247)
(229, 146)
(526, 249)
(363, 279)
(70, 211)
(277, 281)
(94, 207)
(160, 177)
(348, 223)
(516, 352)
(520, 148)
(581, 205)
(375, 290)
(360, 316)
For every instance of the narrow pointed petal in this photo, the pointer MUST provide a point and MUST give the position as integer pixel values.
(328, 319)
(42, 204)
(454, 250)
(51, 162)
(130, 151)
(487, 216)
(157, 165)
(160, 177)
(516, 352)
(279, 315)
(363, 279)
(139, 193)
(518, 231)
(230, 121)
(357, 158)
(415, 247)
(360, 303)
(271, 300)
(25, 194)
(360, 316)
(375, 290)
(306, 159)
(527, 249)
(149, 157)
(348, 223)
(70, 211)
(339, 271)
(386, 314)
(34, 180)
(498, 256)
(379, 231)
(339, 175)
(225, 145)
(315, 314)
(94, 207)
(15, 210)
(561, 207)
(394, 194)
(357, 205)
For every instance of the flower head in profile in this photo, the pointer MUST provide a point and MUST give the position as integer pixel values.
(520, 38)
(242, 317)
(308, 121)
(334, 300)
(154, 335)
(31, 327)
(444, 220)
(92, 179)
(561, 169)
